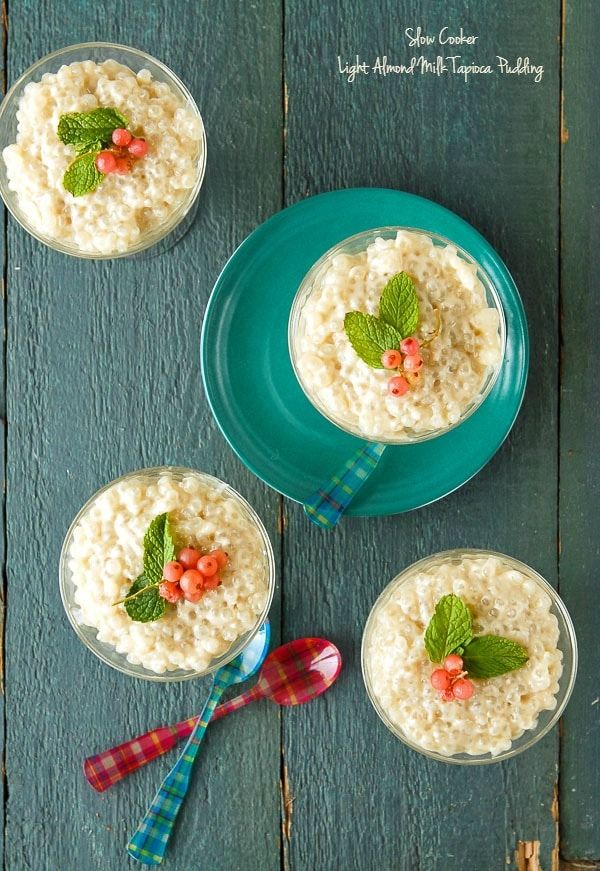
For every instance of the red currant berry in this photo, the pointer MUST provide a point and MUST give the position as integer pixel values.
(453, 664)
(440, 679)
(397, 385)
(463, 689)
(208, 565)
(170, 591)
(192, 584)
(138, 147)
(172, 571)
(212, 582)
(106, 162)
(413, 362)
(121, 137)
(221, 557)
(410, 347)
(391, 359)
(448, 695)
(188, 557)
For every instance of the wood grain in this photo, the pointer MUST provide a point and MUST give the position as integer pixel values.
(103, 377)
(580, 422)
(81, 336)
(487, 149)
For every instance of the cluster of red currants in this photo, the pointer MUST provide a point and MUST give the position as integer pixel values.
(407, 360)
(119, 159)
(192, 575)
(451, 681)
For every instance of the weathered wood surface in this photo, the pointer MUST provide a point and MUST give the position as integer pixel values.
(580, 423)
(80, 333)
(489, 150)
(104, 377)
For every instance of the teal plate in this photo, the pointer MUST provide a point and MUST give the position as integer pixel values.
(252, 389)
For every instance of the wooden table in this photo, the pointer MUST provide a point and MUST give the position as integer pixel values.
(101, 365)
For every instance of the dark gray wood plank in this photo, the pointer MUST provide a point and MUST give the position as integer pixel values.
(96, 354)
(580, 421)
(3, 217)
(489, 150)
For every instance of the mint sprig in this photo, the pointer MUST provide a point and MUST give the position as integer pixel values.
(398, 318)
(143, 602)
(82, 175)
(88, 133)
(492, 655)
(450, 628)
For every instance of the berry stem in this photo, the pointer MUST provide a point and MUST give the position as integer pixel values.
(436, 332)
(136, 594)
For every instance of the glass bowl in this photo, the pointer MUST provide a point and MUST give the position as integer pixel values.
(97, 52)
(567, 644)
(107, 652)
(355, 245)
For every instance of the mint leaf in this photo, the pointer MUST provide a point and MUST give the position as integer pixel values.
(493, 655)
(81, 129)
(82, 176)
(399, 304)
(370, 337)
(149, 605)
(159, 548)
(449, 628)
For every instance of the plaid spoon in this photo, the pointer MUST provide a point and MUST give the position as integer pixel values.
(292, 674)
(327, 504)
(149, 842)
(103, 770)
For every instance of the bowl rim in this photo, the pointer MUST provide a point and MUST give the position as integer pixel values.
(130, 669)
(304, 291)
(570, 643)
(177, 216)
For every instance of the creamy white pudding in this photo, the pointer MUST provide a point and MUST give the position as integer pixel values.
(459, 365)
(104, 556)
(126, 208)
(504, 599)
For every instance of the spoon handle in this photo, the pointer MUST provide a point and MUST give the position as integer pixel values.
(327, 504)
(149, 841)
(104, 769)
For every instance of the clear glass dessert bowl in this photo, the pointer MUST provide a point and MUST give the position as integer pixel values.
(174, 224)
(117, 536)
(404, 600)
(302, 327)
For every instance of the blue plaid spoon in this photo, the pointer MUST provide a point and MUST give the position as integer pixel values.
(327, 504)
(149, 842)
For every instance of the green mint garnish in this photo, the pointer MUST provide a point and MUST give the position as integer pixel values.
(492, 655)
(143, 602)
(88, 133)
(85, 129)
(370, 337)
(398, 318)
(82, 176)
(159, 548)
(449, 629)
(147, 605)
(399, 305)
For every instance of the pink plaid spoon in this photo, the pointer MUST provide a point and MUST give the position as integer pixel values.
(291, 675)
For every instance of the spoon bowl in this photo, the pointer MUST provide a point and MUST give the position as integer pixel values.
(299, 671)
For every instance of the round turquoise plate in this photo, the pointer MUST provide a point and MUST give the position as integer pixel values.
(251, 387)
